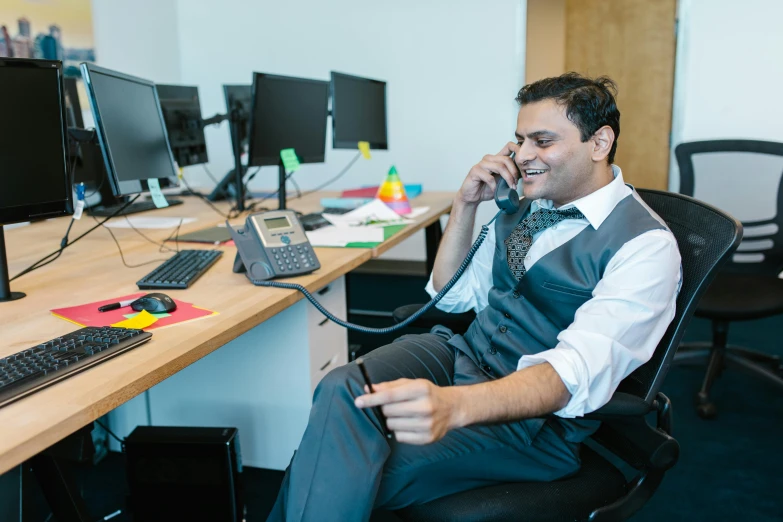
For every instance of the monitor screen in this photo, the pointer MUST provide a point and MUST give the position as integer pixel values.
(34, 181)
(182, 114)
(240, 97)
(288, 113)
(358, 112)
(131, 130)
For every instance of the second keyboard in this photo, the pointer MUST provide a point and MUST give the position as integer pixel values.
(181, 270)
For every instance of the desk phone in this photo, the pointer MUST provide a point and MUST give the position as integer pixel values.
(272, 244)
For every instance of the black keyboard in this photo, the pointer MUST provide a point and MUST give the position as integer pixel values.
(30, 370)
(315, 220)
(181, 270)
(133, 208)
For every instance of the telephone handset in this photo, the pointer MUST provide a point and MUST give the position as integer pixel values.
(272, 244)
(506, 198)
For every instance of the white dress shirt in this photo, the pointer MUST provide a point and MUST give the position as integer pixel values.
(618, 329)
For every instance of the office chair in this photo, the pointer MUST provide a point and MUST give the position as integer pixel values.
(748, 286)
(600, 492)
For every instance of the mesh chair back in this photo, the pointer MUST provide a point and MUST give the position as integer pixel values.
(752, 174)
(707, 237)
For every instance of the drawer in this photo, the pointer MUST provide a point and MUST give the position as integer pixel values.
(332, 297)
(328, 341)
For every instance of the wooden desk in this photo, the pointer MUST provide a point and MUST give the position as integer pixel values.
(91, 270)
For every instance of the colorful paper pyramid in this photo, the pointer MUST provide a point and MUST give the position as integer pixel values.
(392, 192)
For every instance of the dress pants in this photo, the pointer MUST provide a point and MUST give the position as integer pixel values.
(345, 467)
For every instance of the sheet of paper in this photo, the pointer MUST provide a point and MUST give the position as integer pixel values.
(149, 222)
(331, 236)
(417, 211)
(157, 196)
(372, 215)
(141, 320)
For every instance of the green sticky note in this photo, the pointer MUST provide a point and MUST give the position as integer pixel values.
(290, 160)
(157, 196)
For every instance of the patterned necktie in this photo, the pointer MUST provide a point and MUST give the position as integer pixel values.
(521, 238)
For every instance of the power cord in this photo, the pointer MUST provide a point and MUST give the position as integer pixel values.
(122, 255)
(64, 243)
(161, 246)
(338, 176)
(300, 193)
(107, 430)
(364, 329)
(206, 200)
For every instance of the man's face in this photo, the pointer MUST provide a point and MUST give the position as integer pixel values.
(554, 162)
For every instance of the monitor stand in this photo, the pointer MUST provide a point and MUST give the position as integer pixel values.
(226, 189)
(5, 286)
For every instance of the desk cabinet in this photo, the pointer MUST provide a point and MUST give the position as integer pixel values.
(261, 382)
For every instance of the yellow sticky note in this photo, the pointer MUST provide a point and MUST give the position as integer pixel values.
(364, 147)
(142, 320)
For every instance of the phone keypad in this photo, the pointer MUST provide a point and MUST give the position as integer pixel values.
(294, 258)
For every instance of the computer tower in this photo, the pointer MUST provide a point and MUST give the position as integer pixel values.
(184, 474)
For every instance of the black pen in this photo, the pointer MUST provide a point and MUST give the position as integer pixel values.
(114, 306)
(377, 409)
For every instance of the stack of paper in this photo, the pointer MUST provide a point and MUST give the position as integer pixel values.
(374, 214)
(332, 236)
(365, 225)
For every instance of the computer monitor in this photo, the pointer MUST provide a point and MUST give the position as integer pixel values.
(34, 181)
(184, 124)
(240, 98)
(131, 130)
(288, 113)
(358, 112)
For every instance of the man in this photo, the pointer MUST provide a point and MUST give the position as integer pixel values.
(573, 293)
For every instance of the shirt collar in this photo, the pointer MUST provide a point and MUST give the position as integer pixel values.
(597, 205)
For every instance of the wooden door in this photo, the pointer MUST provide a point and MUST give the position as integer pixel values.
(633, 42)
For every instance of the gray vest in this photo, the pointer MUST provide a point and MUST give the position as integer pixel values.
(525, 317)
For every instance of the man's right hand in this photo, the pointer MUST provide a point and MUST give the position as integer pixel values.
(480, 184)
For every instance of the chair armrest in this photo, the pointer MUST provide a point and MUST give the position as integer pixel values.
(619, 406)
(457, 323)
(638, 443)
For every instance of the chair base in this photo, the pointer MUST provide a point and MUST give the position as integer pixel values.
(767, 367)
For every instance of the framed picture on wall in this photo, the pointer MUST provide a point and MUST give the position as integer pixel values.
(51, 30)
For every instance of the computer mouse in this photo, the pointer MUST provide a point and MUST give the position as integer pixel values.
(155, 303)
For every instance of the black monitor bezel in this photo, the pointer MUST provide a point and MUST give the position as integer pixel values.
(261, 161)
(202, 158)
(345, 144)
(49, 209)
(130, 187)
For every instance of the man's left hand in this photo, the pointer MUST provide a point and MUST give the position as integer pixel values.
(417, 411)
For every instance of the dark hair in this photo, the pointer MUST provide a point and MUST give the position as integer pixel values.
(589, 103)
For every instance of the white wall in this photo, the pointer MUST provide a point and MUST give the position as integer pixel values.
(138, 37)
(728, 79)
(453, 68)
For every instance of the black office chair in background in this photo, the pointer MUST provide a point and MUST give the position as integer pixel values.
(600, 491)
(748, 286)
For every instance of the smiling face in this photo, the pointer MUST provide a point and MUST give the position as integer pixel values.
(554, 162)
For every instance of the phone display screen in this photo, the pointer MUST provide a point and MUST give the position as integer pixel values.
(274, 223)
